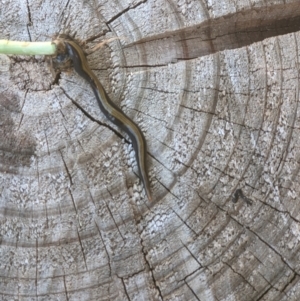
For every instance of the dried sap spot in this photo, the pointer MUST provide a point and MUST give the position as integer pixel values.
(16, 148)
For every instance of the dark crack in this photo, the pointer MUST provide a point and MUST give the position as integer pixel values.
(65, 286)
(151, 271)
(82, 249)
(118, 15)
(92, 118)
(124, 287)
(67, 169)
(29, 20)
(290, 282)
(195, 295)
(240, 275)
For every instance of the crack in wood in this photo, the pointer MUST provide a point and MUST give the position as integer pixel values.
(118, 15)
(92, 118)
(232, 31)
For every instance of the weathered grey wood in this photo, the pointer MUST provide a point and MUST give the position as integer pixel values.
(214, 85)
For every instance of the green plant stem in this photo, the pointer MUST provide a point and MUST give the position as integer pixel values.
(27, 48)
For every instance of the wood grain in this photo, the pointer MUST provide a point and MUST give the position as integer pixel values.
(214, 86)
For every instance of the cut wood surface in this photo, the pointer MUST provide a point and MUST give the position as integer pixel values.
(214, 86)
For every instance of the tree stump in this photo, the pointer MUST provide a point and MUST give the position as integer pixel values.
(214, 86)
